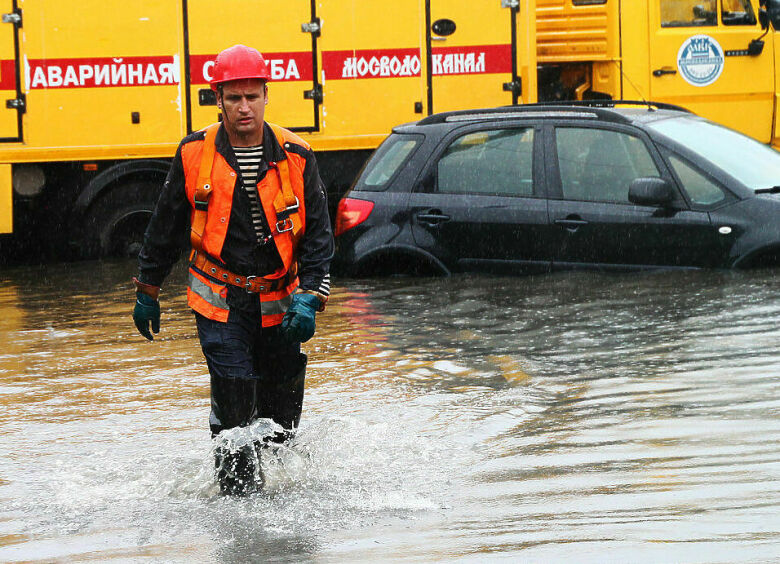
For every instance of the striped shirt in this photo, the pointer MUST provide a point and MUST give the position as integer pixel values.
(249, 161)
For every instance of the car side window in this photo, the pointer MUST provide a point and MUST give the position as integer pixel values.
(699, 188)
(598, 165)
(387, 161)
(688, 13)
(496, 162)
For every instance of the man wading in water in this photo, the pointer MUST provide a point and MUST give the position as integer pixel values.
(251, 195)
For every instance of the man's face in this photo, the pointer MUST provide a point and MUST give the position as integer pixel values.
(243, 109)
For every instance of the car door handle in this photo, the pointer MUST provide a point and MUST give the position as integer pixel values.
(663, 71)
(433, 217)
(571, 222)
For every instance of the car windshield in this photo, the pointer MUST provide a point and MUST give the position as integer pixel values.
(752, 163)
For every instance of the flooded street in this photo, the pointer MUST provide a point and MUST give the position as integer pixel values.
(568, 417)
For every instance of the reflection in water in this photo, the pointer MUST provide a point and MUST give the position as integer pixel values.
(559, 417)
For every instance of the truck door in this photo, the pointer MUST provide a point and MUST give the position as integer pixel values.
(701, 58)
(11, 102)
(372, 75)
(276, 30)
(472, 54)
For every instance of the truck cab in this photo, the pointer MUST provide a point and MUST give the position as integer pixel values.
(714, 57)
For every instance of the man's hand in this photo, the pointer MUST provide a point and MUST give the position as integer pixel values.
(146, 310)
(298, 322)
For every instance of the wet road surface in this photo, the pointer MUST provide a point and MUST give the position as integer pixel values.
(569, 417)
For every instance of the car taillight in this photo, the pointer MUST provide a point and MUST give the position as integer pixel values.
(351, 212)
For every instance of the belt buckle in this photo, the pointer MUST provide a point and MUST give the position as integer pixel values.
(248, 286)
(286, 225)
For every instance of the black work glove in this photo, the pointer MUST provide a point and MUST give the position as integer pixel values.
(146, 309)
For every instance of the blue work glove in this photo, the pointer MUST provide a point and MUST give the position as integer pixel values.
(146, 309)
(298, 322)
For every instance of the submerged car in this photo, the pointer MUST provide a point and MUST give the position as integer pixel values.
(603, 184)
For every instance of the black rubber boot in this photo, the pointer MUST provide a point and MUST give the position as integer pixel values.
(280, 396)
(233, 404)
(238, 473)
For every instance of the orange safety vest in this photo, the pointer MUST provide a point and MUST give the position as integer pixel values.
(209, 183)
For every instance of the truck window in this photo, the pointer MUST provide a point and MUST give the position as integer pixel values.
(737, 12)
(688, 13)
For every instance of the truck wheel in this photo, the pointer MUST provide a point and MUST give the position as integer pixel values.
(117, 221)
(123, 232)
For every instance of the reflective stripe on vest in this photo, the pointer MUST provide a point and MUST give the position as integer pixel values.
(274, 305)
(207, 298)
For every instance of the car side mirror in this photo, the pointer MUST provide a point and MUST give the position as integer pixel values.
(650, 191)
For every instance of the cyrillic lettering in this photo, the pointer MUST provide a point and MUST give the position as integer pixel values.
(118, 74)
(480, 63)
(71, 79)
(277, 69)
(39, 78)
(292, 71)
(362, 67)
(85, 73)
(150, 76)
(136, 73)
(166, 73)
(349, 70)
(55, 76)
(436, 67)
(207, 68)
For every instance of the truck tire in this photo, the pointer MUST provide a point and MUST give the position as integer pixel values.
(116, 223)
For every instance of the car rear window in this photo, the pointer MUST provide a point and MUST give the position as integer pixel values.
(388, 159)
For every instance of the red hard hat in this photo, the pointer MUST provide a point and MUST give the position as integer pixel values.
(237, 62)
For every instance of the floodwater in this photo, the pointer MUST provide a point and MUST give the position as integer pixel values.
(576, 417)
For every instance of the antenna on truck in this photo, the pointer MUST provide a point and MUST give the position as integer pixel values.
(625, 76)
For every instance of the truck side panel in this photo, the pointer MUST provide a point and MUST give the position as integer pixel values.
(470, 67)
(272, 27)
(372, 70)
(9, 120)
(91, 85)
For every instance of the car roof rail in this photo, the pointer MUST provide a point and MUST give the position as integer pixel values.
(598, 107)
(604, 103)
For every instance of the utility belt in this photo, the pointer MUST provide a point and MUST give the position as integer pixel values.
(252, 284)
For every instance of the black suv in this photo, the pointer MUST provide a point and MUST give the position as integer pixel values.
(607, 185)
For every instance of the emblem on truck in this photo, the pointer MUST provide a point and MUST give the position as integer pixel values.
(700, 60)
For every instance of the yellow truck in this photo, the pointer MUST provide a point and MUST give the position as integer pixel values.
(97, 94)
(717, 58)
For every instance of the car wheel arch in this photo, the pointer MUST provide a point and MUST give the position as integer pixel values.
(392, 258)
(760, 257)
